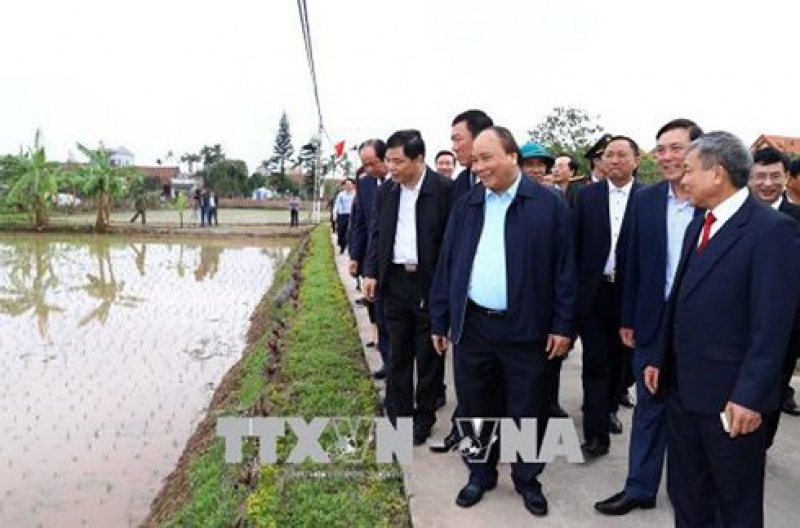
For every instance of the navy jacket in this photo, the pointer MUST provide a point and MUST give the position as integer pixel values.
(593, 239)
(730, 313)
(643, 266)
(540, 268)
(462, 184)
(433, 208)
(363, 209)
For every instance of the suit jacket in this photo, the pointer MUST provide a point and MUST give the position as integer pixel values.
(643, 263)
(593, 239)
(540, 267)
(462, 184)
(730, 312)
(433, 208)
(363, 209)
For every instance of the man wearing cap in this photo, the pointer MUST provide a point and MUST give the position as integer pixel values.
(595, 157)
(598, 214)
(536, 161)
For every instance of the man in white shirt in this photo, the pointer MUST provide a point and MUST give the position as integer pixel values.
(341, 211)
(406, 233)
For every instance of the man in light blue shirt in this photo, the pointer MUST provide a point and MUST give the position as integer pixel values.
(341, 211)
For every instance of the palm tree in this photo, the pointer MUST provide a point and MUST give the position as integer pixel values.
(105, 182)
(33, 181)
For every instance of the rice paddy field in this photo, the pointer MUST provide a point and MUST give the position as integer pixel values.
(110, 350)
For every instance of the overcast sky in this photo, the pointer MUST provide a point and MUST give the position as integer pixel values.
(160, 75)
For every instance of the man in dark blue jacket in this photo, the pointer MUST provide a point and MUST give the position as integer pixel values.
(598, 216)
(656, 221)
(372, 153)
(504, 293)
(726, 328)
(465, 128)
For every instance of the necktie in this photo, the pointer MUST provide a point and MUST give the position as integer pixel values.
(706, 234)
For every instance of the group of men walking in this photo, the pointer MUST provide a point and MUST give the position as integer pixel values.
(686, 287)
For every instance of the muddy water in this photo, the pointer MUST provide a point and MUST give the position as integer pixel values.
(109, 353)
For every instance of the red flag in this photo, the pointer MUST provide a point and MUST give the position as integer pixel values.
(339, 147)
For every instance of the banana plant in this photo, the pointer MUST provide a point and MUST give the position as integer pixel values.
(33, 181)
(105, 182)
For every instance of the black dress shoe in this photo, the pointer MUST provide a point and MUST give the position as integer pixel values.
(472, 493)
(556, 411)
(371, 344)
(593, 448)
(450, 443)
(421, 433)
(379, 374)
(789, 406)
(620, 504)
(614, 425)
(534, 500)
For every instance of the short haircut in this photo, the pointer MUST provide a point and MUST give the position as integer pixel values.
(630, 141)
(770, 155)
(681, 123)
(444, 153)
(476, 121)
(507, 141)
(728, 151)
(377, 145)
(411, 141)
(573, 165)
(794, 168)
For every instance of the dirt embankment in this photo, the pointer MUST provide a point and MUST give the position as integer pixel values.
(267, 325)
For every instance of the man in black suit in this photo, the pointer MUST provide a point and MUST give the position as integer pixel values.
(767, 182)
(727, 323)
(598, 214)
(465, 128)
(405, 237)
(372, 153)
(565, 170)
(656, 219)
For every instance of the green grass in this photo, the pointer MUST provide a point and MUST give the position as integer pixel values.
(322, 373)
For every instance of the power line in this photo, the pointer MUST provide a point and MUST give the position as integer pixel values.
(304, 24)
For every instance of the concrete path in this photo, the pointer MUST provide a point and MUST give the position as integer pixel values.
(432, 481)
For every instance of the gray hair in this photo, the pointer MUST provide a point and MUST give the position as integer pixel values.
(726, 150)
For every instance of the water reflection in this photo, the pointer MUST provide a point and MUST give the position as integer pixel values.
(110, 351)
(30, 277)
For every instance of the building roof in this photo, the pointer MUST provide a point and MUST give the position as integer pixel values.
(162, 174)
(789, 145)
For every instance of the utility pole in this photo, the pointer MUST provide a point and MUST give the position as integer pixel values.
(319, 188)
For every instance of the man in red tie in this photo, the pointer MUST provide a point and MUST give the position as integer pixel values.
(727, 327)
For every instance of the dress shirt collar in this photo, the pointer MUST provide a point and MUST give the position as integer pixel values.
(625, 189)
(724, 211)
(415, 189)
(511, 192)
(777, 203)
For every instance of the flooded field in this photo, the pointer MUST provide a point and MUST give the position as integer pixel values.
(110, 351)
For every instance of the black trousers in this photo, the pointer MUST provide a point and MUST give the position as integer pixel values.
(604, 357)
(496, 378)
(294, 218)
(342, 225)
(772, 419)
(712, 480)
(408, 322)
